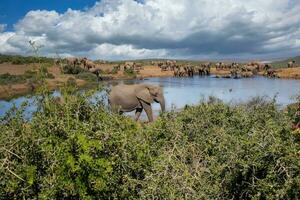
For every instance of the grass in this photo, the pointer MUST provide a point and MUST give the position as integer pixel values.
(29, 75)
(19, 60)
(130, 73)
(78, 150)
(283, 63)
(68, 69)
(87, 76)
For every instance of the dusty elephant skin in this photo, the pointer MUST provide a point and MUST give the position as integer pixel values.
(126, 98)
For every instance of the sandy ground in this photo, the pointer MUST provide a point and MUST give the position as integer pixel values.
(289, 73)
(14, 69)
(222, 72)
(7, 91)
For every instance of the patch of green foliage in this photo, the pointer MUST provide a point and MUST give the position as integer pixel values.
(18, 60)
(11, 79)
(114, 70)
(78, 150)
(87, 76)
(69, 69)
(130, 73)
(283, 63)
(6, 79)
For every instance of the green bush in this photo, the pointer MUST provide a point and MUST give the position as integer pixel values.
(33, 76)
(115, 70)
(16, 59)
(78, 150)
(87, 76)
(130, 72)
(69, 69)
(10, 79)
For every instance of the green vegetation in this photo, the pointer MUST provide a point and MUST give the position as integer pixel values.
(69, 69)
(78, 150)
(11, 79)
(18, 60)
(29, 75)
(130, 73)
(283, 63)
(87, 76)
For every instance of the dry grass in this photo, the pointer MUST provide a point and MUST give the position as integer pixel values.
(289, 73)
(14, 69)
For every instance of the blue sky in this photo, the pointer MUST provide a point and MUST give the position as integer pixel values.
(11, 11)
(136, 29)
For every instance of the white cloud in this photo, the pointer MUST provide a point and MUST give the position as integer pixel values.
(5, 46)
(121, 52)
(122, 29)
(2, 27)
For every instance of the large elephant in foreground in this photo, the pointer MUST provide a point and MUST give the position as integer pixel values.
(126, 98)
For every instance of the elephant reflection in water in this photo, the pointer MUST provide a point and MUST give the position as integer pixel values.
(127, 98)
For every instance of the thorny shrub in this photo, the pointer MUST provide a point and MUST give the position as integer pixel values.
(75, 149)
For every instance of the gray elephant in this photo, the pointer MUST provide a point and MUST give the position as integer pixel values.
(126, 98)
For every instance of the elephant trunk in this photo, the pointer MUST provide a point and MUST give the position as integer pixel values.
(162, 104)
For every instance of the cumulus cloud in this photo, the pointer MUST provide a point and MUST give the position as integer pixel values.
(2, 27)
(122, 29)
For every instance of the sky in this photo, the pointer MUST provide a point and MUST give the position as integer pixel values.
(138, 29)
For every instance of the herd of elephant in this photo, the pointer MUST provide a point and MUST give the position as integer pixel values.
(183, 70)
(133, 66)
(204, 69)
(81, 62)
(236, 70)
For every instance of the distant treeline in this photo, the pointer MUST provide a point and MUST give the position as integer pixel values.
(19, 60)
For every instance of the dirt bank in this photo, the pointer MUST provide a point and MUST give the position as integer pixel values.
(289, 73)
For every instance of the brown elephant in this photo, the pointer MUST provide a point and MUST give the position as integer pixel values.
(247, 74)
(72, 61)
(97, 72)
(126, 98)
(87, 64)
(291, 64)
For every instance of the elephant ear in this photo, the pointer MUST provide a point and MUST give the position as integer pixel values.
(144, 95)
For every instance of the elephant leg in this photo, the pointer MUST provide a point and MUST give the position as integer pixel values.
(138, 113)
(148, 110)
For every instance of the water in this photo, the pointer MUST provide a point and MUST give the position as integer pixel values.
(182, 91)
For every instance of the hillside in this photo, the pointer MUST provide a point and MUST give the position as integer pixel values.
(283, 63)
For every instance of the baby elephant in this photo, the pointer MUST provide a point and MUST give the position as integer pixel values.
(126, 98)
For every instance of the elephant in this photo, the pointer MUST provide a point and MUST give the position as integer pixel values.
(190, 70)
(73, 61)
(138, 97)
(97, 72)
(87, 63)
(291, 64)
(271, 73)
(267, 67)
(234, 73)
(247, 74)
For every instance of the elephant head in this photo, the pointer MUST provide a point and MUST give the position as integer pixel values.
(126, 98)
(150, 93)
